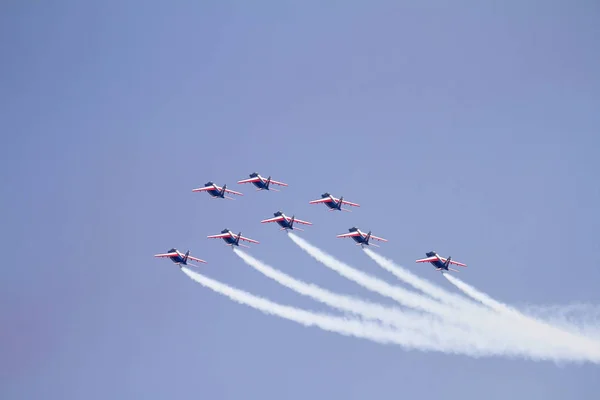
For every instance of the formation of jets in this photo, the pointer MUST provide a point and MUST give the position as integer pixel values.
(287, 223)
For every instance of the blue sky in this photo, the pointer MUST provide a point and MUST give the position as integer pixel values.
(470, 129)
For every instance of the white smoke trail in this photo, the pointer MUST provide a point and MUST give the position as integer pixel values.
(441, 333)
(577, 317)
(573, 313)
(394, 317)
(488, 324)
(562, 339)
(343, 326)
(397, 293)
(588, 328)
(349, 327)
(421, 284)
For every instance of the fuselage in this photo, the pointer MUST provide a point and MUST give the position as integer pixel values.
(215, 192)
(261, 183)
(178, 259)
(284, 223)
(230, 239)
(437, 263)
(333, 204)
(359, 239)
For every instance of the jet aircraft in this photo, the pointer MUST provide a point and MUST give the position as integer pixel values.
(232, 239)
(216, 191)
(334, 203)
(286, 222)
(361, 238)
(178, 258)
(440, 263)
(261, 183)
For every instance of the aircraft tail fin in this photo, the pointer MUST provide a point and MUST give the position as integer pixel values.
(185, 258)
(447, 263)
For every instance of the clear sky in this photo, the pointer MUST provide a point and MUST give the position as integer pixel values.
(466, 128)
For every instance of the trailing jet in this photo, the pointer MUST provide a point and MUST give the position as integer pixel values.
(334, 203)
(232, 239)
(262, 183)
(286, 222)
(361, 238)
(440, 263)
(178, 258)
(216, 191)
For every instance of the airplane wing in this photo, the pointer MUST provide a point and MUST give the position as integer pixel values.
(166, 255)
(378, 238)
(350, 203)
(428, 259)
(233, 192)
(250, 180)
(302, 222)
(350, 234)
(278, 183)
(324, 200)
(257, 179)
(219, 236)
(249, 240)
(274, 219)
(454, 262)
(196, 259)
(203, 189)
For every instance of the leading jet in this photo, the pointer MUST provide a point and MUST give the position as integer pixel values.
(440, 263)
(286, 222)
(178, 258)
(334, 203)
(261, 183)
(216, 191)
(361, 238)
(232, 239)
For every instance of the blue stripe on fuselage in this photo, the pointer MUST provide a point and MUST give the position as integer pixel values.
(214, 193)
(260, 184)
(177, 260)
(229, 239)
(438, 264)
(284, 224)
(358, 239)
(331, 204)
